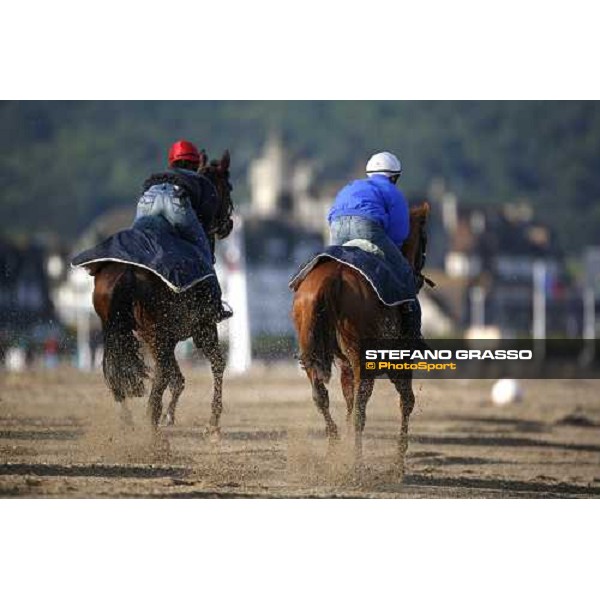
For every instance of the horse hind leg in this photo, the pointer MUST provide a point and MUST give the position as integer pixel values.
(407, 403)
(321, 399)
(176, 385)
(164, 358)
(347, 383)
(363, 392)
(207, 341)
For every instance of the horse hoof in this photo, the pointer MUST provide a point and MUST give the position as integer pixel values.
(168, 420)
(356, 474)
(332, 434)
(400, 471)
(160, 445)
(333, 440)
(214, 434)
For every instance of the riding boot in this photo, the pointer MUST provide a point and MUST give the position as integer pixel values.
(221, 309)
(410, 326)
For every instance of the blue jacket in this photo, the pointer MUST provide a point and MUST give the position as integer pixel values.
(375, 198)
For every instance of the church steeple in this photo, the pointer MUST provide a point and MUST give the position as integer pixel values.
(269, 178)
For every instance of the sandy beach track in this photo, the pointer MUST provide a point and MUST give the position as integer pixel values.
(61, 437)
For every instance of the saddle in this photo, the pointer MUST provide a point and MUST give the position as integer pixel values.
(366, 245)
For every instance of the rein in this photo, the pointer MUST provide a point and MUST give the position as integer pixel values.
(419, 220)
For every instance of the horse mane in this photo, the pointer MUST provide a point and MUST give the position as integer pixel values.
(418, 219)
(218, 172)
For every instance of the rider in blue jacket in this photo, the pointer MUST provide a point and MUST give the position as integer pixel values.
(374, 209)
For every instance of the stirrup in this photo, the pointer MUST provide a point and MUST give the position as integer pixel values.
(225, 312)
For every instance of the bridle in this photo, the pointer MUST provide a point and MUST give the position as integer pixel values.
(222, 224)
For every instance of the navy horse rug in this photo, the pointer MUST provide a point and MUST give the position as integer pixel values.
(392, 288)
(154, 245)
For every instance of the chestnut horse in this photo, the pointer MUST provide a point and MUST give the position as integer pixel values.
(133, 304)
(334, 309)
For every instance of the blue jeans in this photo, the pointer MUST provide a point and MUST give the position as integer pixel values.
(164, 200)
(344, 229)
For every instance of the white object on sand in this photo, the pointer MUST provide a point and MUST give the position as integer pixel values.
(506, 391)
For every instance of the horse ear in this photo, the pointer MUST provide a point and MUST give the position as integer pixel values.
(421, 211)
(203, 159)
(225, 160)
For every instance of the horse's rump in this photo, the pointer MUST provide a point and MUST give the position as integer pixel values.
(114, 299)
(327, 303)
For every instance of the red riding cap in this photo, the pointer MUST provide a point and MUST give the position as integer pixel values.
(183, 150)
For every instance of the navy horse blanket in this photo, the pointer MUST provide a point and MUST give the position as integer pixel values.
(153, 244)
(392, 288)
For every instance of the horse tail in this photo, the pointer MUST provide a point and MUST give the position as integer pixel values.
(123, 365)
(318, 335)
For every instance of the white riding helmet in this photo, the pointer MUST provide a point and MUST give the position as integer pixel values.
(384, 163)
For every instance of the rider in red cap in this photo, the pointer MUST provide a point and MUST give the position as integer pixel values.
(186, 199)
(184, 161)
(184, 151)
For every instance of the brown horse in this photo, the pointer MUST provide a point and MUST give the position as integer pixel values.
(133, 304)
(334, 309)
